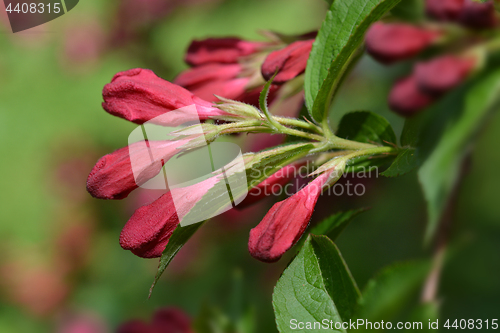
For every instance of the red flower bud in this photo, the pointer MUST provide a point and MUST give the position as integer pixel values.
(268, 186)
(112, 176)
(290, 61)
(138, 95)
(406, 99)
(478, 15)
(252, 96)
(389, 43)
(204, 74)
(444, 10)
(148, 230)
(222, 50)
(209, 80)
(285, 223)
(441, 74)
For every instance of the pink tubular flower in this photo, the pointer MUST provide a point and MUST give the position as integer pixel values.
(267, 187)
(138, 95)
(209, 80)
(113, 177)
(290, 61)
(204, 74)
(389, 43)
(221, 50)
(444, 10)
(442, 74)
(148, 230)
(166, 320)
(285, 223)
(477, 15)
(406, 99)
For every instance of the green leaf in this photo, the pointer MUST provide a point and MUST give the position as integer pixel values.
(179, 237)
(410, 10)
(317, 285)
(386, 295)
(441, 171)
(366, 126)
(411, 131)
(334, 225)
(424, 313)
(340, 35)
(366, 166)
(405, 162)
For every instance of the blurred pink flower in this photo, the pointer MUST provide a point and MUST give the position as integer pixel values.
(221, 50)
(442, 74)
(406, 99)
(392, 42)
(166, 320)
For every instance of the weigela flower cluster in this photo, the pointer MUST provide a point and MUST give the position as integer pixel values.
(228, 87)
(224, 84)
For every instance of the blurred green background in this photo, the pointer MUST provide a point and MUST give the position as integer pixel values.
(61, 260)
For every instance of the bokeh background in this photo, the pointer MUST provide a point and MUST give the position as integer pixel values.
(61, 267)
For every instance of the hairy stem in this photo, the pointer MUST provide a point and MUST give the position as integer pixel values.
(299, 123)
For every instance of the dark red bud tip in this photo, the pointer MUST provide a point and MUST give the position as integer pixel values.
(138, 95)
(444, 10)
(290, 61)
(389, 43)
(113, 176)
(477, 15)
(148, 230)
(406, 99)
(442, 74)
(221, 50)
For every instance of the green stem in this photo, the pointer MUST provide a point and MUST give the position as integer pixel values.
(370, 151)
(255, 129)
(299, 123)
(327, 130)
(294, 132)
(339, 143)
(259, 127)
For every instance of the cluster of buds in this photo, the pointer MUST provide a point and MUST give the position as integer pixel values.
(218, 91)
(431, 78)
(237, 69)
